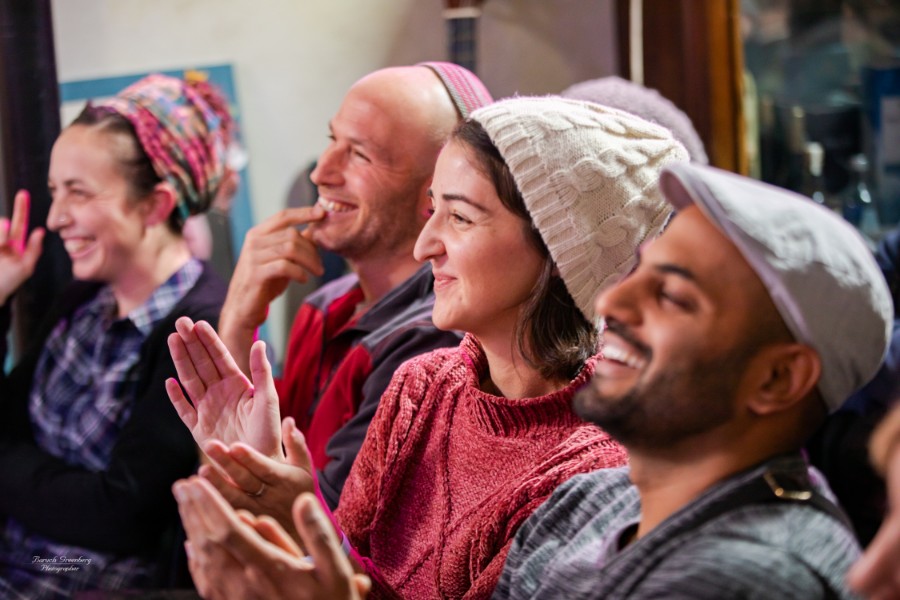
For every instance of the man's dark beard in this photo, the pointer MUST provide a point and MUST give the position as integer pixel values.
(675, 405)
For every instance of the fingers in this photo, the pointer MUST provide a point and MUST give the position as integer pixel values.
(319, 538)
(260, 583)
(238, 534)
(193, 517)
(248, 474)
(212, 517)
(249, 470)
(877, 570)
(294, 217)
(277, 243)
(266, 468)
(198, 352)
(18, 227)
(262, 411)
(185, 411)
(275, 534)
(33, 249)
(363, 584)
(216, 534)
(229, 490)
(296, 451)
(184, 365)
(216, 350)
(14, 233)
(261, 376)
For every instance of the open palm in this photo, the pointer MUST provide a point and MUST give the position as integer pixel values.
(224, 405)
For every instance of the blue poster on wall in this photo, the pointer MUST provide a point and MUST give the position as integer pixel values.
(73, 95)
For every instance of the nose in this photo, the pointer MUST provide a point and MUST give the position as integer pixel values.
(428, 244)
(330, 166)
(58, 215)
(622, 301)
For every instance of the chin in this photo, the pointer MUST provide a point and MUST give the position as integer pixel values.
(445, 324)
(84, 274)
(592, 406)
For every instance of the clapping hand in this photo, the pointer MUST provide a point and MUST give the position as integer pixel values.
(224, 405)
(257, 483)
(236, 555)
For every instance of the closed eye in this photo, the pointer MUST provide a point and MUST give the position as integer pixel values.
(459, 219)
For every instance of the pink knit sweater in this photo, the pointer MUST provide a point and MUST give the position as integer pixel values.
(447, 473)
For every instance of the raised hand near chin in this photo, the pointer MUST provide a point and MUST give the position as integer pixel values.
(224, 405)
(274, 253)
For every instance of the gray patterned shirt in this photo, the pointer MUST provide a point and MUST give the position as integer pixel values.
(570, 547)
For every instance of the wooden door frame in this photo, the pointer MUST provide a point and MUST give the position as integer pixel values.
(694, 56)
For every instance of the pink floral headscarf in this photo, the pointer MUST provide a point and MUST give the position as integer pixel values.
(185, 128)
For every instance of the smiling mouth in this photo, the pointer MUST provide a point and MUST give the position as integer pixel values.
(333, 206)
(616, 353)
(75, 246)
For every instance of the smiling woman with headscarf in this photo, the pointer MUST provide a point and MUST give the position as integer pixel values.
(89, 444)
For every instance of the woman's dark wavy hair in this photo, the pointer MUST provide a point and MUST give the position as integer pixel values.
(135, 164)
(552, 334)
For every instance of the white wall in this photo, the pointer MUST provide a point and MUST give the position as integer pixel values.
(294, 59)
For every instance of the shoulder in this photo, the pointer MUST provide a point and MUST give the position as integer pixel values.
(436, 368)
(208, 293)
(768, 550)
(403, 318)
(202, 302)
(419, 386)
(331, 291)
(579, 501)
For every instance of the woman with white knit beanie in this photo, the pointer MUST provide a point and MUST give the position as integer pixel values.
(538, 204)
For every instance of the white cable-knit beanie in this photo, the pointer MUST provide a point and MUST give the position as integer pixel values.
(588, 175)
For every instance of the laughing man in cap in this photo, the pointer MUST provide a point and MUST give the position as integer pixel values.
(754, 315)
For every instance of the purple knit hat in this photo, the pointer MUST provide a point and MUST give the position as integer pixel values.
(464, 87)
(644, 102)
(186, 130)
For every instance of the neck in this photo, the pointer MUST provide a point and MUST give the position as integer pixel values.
(670, 479)
(147, 273)
(509, 375)
(379, 276)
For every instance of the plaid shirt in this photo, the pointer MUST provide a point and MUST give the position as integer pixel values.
(84, 386)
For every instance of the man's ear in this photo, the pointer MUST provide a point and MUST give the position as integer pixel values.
(160, 204)
(425, 202)
(782, 375)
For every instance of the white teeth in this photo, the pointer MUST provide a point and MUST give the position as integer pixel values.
(330, 206)
(74, 246)
(618, 354)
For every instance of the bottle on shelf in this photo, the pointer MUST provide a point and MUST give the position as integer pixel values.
(795, 165)
(768, 152)
(813, 179)
(858, 205)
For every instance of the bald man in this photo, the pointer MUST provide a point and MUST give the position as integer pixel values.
(349, 337)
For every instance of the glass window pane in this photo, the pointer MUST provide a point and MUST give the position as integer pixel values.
(823, 100)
